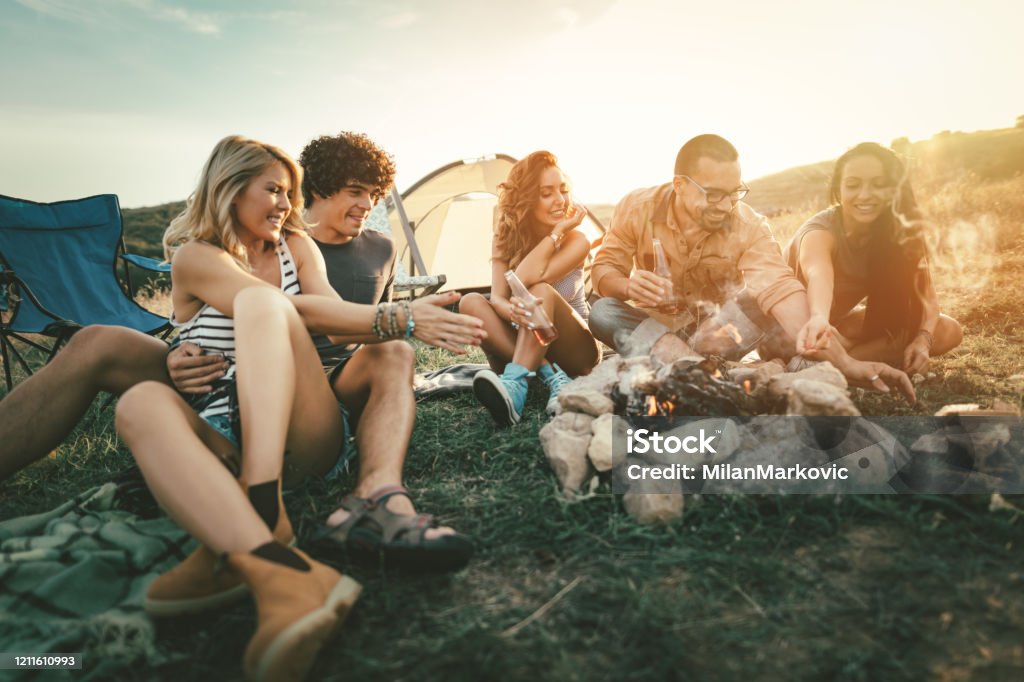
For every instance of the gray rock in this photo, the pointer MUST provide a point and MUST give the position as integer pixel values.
(670, 348)
(654, 501)
(810, 398)
(824, 372)
(725, 443)
(643, 338)
(762, 376)
(565, 440)
(587, 401)
(601, 379)
(600, 449)
(654, 507)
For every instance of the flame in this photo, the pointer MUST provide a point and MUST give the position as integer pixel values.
(652, 406)
(717, 374)
(730, 330)
(746, 386)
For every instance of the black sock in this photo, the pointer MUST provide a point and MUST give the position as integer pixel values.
(279, 554)
(263, 497)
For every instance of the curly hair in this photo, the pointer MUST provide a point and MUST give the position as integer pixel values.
(331, 162)
(896, 249)
(209, 215)
(516, 198)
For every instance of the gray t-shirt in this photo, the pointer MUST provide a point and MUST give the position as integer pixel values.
(361, 271)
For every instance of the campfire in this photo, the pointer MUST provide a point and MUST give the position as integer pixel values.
(675, 383)
(578, 441)
(686, 387)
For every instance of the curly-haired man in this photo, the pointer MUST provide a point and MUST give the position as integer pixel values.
(344, 176)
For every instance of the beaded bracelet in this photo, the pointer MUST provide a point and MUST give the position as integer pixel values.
(393, 328)
(928, 337)
(410, 324)
(376, 328)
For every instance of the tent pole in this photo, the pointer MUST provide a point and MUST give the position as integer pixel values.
(410, 236)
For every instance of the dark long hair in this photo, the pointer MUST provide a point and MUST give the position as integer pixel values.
(895, 249)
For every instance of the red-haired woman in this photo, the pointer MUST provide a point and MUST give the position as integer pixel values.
(535, 235)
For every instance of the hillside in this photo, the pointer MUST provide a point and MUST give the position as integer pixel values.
(987, 156)
(144, 227)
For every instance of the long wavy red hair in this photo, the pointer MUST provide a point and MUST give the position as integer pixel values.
(517, 196)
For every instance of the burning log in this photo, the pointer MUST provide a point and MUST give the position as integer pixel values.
(686, 388)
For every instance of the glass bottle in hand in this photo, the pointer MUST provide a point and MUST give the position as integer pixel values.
(669, 302)
(540, 325)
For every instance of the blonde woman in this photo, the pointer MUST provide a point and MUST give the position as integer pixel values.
(249, 283)
(537, 237)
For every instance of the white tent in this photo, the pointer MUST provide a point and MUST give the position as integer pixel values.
(443, 224)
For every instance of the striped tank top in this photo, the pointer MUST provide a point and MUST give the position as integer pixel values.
(570, 288)
(214, 332)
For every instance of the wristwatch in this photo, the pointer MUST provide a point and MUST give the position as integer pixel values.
(555, 238)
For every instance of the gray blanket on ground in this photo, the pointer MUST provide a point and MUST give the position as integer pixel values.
(445, 381)
(73, 580)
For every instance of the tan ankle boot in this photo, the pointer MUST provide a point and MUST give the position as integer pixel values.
(297, 610)
(199, 584)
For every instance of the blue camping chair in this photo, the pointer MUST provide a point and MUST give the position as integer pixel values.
(58, 274)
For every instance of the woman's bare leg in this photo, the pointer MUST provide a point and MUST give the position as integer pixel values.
(948, 335)
(500, 344)
(575, 345)
(283, 395)
(175, 450)
(575, 350)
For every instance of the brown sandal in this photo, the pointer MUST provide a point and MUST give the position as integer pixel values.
(373, 533)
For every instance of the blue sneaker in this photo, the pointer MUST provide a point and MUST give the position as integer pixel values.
(555, 379)
(504, 396)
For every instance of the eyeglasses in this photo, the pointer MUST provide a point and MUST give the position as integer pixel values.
(715, 196)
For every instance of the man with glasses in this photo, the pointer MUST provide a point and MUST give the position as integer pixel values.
(729, 289)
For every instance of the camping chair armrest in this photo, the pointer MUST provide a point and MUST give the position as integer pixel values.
(429, 284)
(151, 264)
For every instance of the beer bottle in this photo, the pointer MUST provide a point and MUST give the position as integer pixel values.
(669, 302)
(540, 325)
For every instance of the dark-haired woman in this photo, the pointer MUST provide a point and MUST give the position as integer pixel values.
(535, 235)
(869, 244)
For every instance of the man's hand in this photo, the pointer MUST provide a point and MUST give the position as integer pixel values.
(815, 335)
(192, 371)
(646, 288)
(441, 327)
(916, 355)
(880, 377)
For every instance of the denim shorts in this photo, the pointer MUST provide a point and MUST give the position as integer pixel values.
(229, 426)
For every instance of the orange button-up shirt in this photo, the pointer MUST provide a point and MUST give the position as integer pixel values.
(721, 264)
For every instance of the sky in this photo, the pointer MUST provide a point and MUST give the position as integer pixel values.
(129, 96)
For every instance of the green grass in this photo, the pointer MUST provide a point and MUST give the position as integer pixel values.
(767, 588)
(853, 588)
(849, 588)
